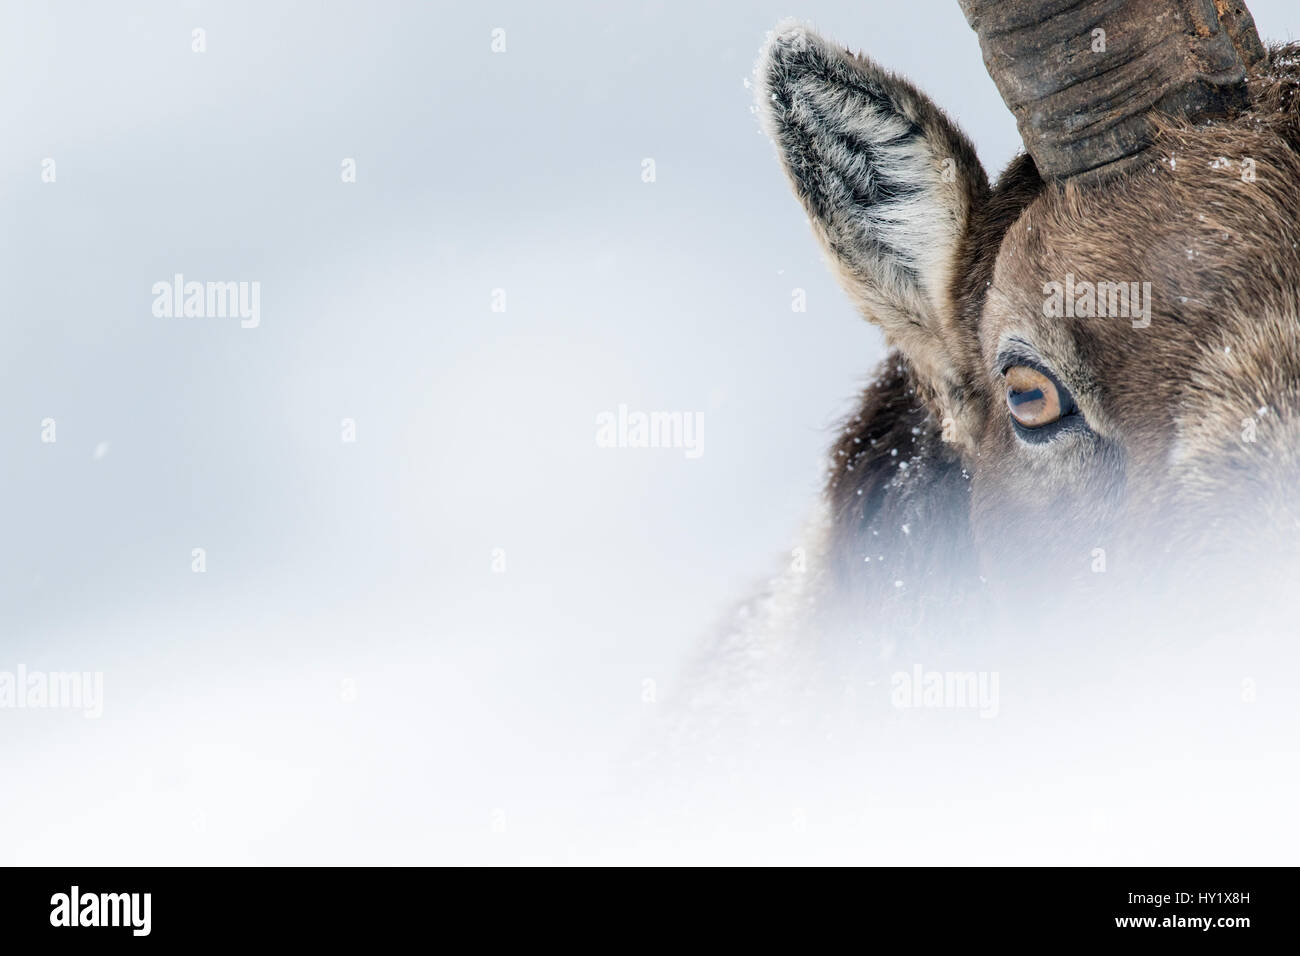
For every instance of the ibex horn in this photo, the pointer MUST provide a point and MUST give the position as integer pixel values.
(1084, 76)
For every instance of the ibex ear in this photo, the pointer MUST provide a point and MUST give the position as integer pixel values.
(889, 184)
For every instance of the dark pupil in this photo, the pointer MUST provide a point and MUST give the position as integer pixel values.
(1019, 398)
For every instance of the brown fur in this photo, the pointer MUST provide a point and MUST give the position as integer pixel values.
(947, 530)
(1166, 471)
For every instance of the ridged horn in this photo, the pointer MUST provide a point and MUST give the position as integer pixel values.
(1084, 76)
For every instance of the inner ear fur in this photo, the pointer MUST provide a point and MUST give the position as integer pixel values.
(890, 186)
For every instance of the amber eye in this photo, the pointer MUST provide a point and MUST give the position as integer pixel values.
(1034, 399)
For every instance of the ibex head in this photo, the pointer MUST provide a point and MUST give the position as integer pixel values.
(1103, 348)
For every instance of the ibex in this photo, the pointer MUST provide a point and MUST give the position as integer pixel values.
(1095, 359)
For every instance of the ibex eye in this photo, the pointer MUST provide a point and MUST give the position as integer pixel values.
(1034, 398)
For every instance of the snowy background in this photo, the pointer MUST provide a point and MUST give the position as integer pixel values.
(350, 679)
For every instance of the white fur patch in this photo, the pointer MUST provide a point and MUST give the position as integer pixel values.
(874, 164)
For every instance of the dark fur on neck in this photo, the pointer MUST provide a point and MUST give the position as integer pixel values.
(899, 497)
